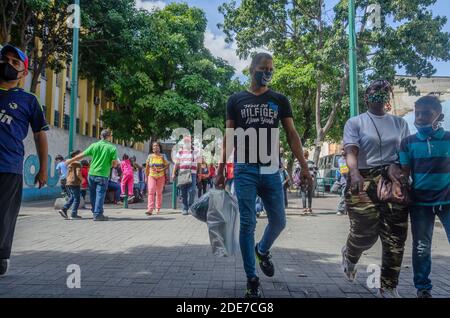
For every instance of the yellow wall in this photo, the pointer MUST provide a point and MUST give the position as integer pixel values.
(88, 112)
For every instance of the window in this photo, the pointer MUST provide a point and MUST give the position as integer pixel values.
(56, 118)
(66, 122)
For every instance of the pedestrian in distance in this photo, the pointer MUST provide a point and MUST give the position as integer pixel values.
(73, 185)
(307, 190)
(156, 173)
(127, 181)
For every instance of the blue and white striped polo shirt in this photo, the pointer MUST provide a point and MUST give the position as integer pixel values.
(429, 160)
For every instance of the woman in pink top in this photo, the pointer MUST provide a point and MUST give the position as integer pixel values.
(127, 176)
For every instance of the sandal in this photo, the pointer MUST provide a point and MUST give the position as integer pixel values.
(149, 212)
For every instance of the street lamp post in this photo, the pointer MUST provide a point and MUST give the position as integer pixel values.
(74, 81)
(354, 109)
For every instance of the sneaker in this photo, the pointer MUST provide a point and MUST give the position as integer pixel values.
(348, 267)
(4, 264)
(265, 263)
(185, 212)
(424, 294)
(63, 213)
(101, 217)
(75, 217)
(388, 293)
(253, 288)
(339, 213)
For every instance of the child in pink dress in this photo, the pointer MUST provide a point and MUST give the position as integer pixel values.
(127, 176)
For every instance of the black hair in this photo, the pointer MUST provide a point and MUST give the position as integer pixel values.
(379, 85)
(258, 58)
(430, 101)
(75, 153)
(159, 145)
(59, 157)
(125, 156)
(84, 163)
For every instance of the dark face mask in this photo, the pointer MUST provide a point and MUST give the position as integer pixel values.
(263, 78)
(7, 72)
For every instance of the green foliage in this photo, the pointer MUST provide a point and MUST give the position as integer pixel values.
(310, 48)
(169, 79)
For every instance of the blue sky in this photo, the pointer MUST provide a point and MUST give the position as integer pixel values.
(215, 40)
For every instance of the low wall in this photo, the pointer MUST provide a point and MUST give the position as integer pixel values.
(58, 140)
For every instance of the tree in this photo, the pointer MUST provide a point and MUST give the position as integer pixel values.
(106, 37)
(39, 27)
(51, 44)
(303, 31)
(168, 79)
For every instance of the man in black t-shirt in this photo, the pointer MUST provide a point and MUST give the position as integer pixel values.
(253, 119)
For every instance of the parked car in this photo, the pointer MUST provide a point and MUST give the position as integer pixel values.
(327, 170)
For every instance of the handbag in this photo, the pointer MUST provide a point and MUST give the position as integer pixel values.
(388, 191)
(184, 177)
(392, 192)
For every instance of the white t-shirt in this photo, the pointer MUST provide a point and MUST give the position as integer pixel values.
(115, 176)
(187, 160)
(360, 131)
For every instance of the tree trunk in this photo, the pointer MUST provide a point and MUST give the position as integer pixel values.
(319, 130)
(37, 69)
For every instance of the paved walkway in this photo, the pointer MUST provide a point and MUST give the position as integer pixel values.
(169, 256)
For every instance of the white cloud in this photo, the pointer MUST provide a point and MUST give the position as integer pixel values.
(218, 47)
(150, 5)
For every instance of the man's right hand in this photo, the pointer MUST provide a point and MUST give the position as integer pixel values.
(356, 182)
(220, 181)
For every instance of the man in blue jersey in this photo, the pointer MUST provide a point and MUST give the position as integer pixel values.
(18, 110)
(426, 157)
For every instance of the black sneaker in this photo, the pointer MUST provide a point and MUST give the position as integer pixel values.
(253, 288)
(424, 294)
(63, 213)
(101, 217)
(4, 263)
(265, 263)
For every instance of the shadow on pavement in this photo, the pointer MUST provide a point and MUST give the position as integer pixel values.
(188, 271)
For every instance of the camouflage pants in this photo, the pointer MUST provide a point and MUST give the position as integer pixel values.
(370, 219)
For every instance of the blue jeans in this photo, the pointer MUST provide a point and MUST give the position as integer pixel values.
(116, 187)
(97, 190)
(248, 183)
(74, 199)
(188, 193)
(422, 225)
